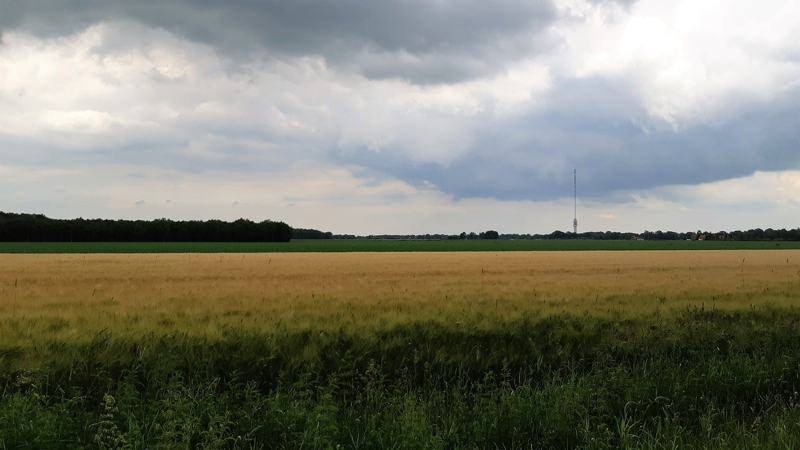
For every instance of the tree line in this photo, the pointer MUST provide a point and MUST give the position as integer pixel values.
(756, 234)
(489, 234)
(39, 228)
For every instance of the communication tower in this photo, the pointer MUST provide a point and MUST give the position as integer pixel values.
(575, 192)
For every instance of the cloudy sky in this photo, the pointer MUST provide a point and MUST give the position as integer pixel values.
(404, 116)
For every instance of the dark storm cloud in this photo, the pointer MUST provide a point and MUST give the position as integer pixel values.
(420, 40)
(532, 157)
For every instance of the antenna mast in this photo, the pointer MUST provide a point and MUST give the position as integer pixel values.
(575, 191)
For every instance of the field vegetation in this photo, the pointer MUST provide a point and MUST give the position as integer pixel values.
(387, 245)
(646, 349)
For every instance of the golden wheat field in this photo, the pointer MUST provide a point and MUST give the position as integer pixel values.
(72, 296)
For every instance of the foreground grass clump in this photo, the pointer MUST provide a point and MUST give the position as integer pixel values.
(703, 378)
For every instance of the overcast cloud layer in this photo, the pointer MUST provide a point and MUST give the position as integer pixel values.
(404, 116)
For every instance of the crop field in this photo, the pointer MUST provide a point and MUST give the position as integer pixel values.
(388, 245)
(471, 349)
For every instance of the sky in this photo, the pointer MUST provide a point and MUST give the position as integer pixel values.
(404, 116)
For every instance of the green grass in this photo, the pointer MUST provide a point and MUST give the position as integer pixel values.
(699, 379)
(380, 246)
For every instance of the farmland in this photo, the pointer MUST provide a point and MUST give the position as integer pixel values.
(388, 245)
(471, 349)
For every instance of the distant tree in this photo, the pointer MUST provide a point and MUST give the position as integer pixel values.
(491, 234)
(308, 233)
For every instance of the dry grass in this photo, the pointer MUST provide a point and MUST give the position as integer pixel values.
(72, 297)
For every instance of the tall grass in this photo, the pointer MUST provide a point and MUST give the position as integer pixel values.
(702, 378)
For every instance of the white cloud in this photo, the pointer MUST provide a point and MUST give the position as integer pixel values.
(691, 61)
(77, 91)
(764, 188)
